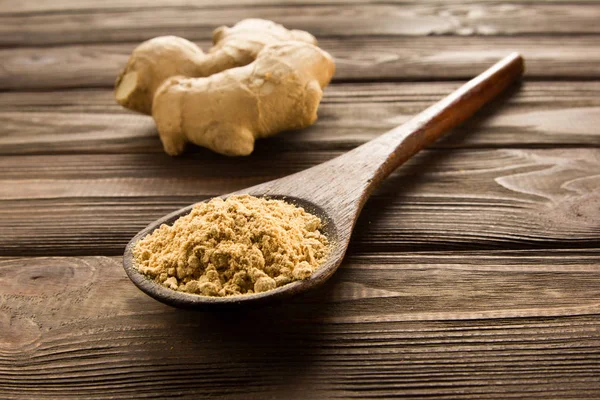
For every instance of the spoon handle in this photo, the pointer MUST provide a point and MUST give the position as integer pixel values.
(376, 159)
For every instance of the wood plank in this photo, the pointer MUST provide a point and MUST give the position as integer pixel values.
(141, 23)
(38, 6)
(460, 199)
(443, 324)
(89, 121)
(358, 59)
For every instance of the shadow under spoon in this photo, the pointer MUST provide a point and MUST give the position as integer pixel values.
(337, 190)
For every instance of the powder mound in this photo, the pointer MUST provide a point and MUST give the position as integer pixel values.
(237, 246)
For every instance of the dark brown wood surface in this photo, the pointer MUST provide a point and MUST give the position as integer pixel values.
(474, 271)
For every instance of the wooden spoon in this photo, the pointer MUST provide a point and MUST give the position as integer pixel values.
(337, 190)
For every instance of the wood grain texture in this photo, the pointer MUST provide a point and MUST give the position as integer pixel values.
(45, 6)
(357, 59)
(89, 121)
(141, 23)
(93, 204)
(525, 325)
(413, 312)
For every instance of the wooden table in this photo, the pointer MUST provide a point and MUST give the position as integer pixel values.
(473, 273)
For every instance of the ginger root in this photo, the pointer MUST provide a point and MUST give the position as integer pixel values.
(257, 80)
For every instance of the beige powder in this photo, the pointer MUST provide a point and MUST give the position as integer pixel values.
(237, 246)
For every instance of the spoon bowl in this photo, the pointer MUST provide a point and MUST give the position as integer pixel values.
(188, 300)
(336, 190)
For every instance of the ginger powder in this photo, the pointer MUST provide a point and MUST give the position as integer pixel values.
(237, 246)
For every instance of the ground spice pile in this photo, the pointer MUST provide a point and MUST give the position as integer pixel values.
(237, 246)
